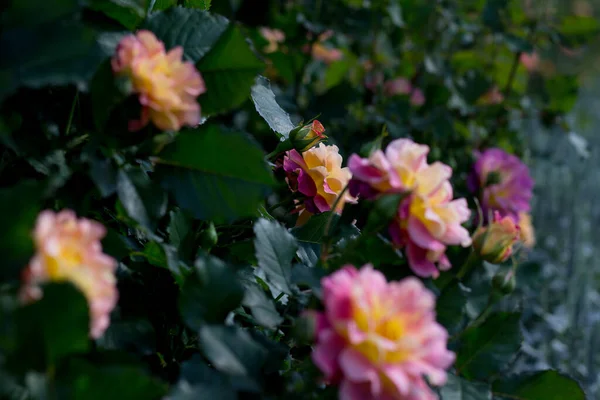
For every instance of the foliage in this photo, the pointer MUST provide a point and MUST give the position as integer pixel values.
(213, 274)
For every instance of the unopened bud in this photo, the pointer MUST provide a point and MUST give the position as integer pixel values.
(494, 242)
(308, 136)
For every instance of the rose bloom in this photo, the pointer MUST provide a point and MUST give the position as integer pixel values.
(494, 243)
(379, 340)
(69, 249)
(428, 219)
(318, 175)
(502, 182)
(167, 86)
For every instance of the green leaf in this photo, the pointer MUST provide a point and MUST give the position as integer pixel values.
(260, 304)
(275, 250)
(80, 379)
(218, 175)
(105, 95)
(229, 71)
(579, 25)
(164, 4)
(51, 54)
(179, 227)
(450, 307)
(19, 205)
(460, 389)
(129, 13)
(166, 256)
(384, 209)
(542, 385)
(210, 294)
(314, 230)
(194, 30)
(486, 349)
(46, 332)
(184, 391)
(266, 105)
(232, 350)
(28, 13)
(144, 201)
(199, 4)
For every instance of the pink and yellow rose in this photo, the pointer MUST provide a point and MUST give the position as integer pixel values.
(167, 86)
(69, 249)
(317, 174)
(428, 218)
(380, 340)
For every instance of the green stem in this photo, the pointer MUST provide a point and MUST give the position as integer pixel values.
(280, 204)
(70, 120)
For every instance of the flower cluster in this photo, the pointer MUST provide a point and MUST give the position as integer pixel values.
(318, 175)
(428, 219)
(69, 249)
(380, 340)
(167, 87)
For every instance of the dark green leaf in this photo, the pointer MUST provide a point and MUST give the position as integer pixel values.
(199, 4)
(210, 294)
(184, 391)
(80, 379)
(275, 250)
(20, 206)
(179, 227)
(51, 54)
(232, 350)
(314, 230)
(260, 304)
(166, 256)
(34, 12)
(460, 389)
(218, 175)
(105, 95)
(486, 349)
(144, 201)
(450, 307)
(46, 335)
(542, 385)
(266, 105)
(129, 13)
(133, 335)
(517, 44)
(164, 4)
(579, 25)
(194, 30)
(229, 71)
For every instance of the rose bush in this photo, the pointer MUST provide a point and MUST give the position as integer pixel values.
(176, 224)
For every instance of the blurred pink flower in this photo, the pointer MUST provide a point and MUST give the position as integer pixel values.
(402, 86)
(69, 249)
(274, 37)
(428, 219)
(318, 175)
(166, 85)
(531, 61)
(502, 182)
(380, 340)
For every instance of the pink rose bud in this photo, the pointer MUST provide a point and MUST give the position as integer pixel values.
(494, 243)
(308, 136)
